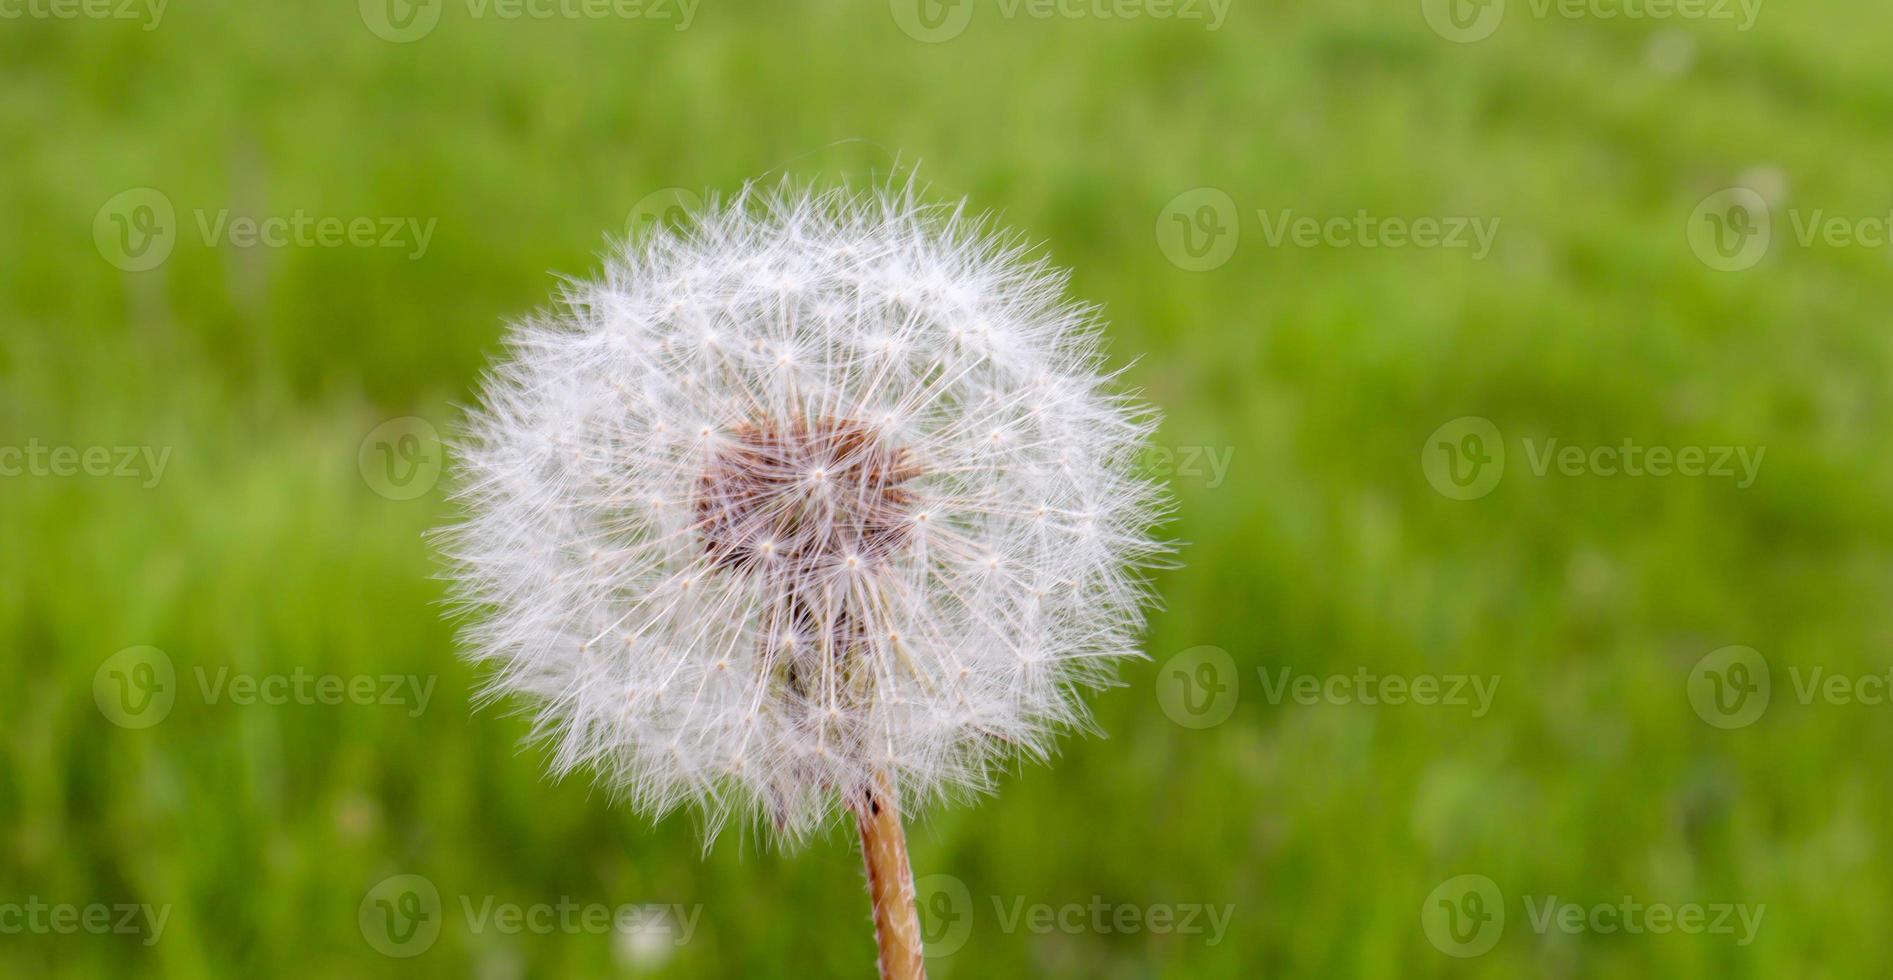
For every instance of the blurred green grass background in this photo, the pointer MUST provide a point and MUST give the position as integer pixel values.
(1324, 550)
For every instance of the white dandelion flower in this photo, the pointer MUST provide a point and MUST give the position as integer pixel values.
(827, 492)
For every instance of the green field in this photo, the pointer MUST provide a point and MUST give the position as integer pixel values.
(250, 536)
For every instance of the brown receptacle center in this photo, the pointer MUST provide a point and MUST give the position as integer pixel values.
(805, 498)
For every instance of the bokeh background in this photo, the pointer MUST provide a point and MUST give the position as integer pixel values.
(269, 543)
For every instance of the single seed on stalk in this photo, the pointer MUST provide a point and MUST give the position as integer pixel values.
(844, 478)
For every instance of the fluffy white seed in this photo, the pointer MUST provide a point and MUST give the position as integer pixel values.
(826, 485)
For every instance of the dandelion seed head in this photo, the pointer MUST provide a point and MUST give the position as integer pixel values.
(822, 485)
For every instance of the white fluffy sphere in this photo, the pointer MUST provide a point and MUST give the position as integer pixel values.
(825, 486)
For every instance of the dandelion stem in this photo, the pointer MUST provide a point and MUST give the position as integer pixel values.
(890, 883)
